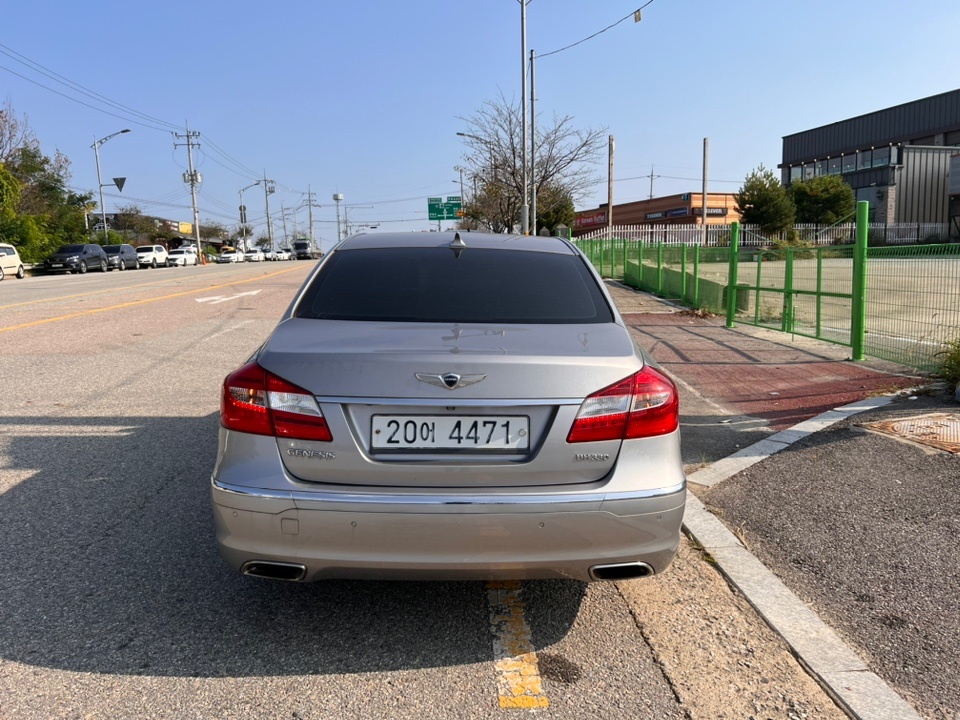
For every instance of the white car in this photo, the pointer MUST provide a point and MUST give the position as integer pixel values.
(182, 257)
(254, 255)
(152, 256)
(230, 256)
(10, 263)
(284, 254)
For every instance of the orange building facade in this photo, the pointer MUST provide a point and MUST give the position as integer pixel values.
(684, 209)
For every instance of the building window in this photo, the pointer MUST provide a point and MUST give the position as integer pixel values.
(833, 167)
(864, 158)
(849, 163)
(881, 157)
(796, 172)
(952, 138)
(821, 168)
(808, 171)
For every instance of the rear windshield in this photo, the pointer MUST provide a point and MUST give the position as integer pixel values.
(146, 248)
(435, 285)
(71, 249)
(111, 249)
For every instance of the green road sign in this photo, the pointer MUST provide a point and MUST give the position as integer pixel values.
(452, 209)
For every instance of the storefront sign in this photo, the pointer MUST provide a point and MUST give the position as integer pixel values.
(590, 220)
(711, 211)
(655, 216)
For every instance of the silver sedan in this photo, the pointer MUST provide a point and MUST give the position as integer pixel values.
(439, 406)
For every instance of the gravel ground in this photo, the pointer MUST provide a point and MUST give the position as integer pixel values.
(864, 527)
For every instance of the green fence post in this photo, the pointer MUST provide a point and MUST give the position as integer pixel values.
(683, 274)
(732, 273)
(858, 305)
(660, 268)
(786, 318)
(696, 276)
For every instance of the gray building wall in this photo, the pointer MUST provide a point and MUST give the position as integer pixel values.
(923, 185)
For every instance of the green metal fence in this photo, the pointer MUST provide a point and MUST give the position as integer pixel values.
(898, 303)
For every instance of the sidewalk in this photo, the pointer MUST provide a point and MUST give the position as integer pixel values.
(855, 529)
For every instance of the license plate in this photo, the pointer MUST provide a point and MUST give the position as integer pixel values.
(56, 264)
(475, 433)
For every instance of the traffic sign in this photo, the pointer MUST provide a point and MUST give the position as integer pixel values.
(449, 210)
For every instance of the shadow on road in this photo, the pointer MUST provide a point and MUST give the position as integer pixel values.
(110, 566)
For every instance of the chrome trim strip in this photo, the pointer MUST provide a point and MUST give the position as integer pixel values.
(445, 500)
(450, 400)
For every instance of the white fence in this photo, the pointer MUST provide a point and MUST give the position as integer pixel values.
(750, 235)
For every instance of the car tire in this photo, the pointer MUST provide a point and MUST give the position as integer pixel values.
(153, 264)
(103, 266)
(121, 266)
(20, 273)
(1, 273)
(82, 267)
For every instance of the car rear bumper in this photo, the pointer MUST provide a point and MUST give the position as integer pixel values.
(354, 534)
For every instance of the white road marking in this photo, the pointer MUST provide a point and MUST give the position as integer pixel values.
(223, 298)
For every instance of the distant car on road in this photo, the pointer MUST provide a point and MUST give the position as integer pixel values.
(284, 254)
(253, 255)
(441, 406)
(121, 257)
(10, 263)
(152, 256)
(230, 255)
(181, 257)
(76, 259)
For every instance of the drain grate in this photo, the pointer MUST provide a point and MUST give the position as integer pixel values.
(939, 430)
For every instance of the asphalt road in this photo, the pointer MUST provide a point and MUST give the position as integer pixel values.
(115, 603)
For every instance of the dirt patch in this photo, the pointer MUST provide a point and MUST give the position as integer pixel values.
(720, 656)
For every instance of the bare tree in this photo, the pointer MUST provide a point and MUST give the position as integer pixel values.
(565, 156)
(15, 133)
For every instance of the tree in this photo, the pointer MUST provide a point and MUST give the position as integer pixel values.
(564, 159)
(213, 230)
(131, 223)
(554, 206)
(763, 201)
(823, 200)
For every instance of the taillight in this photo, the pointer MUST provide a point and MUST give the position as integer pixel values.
(258, 402)
(645, 404)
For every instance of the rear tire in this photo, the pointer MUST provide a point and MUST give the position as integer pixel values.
(1, 273)
(103, 266)
(153, 264)
(121, 266)
(20, 273)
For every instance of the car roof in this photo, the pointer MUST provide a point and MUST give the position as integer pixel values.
(532, 243)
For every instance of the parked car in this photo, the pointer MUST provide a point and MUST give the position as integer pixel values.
(152, 256)
(230, 255)
(182, 257)
(77, 258)
(121, 257)
(10, 263)
(439, 406)
(284, 254)
(253, 255)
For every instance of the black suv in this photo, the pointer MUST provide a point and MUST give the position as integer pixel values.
(77, 258)
(121, 257)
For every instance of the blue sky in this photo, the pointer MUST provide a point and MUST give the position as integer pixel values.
(365, 98)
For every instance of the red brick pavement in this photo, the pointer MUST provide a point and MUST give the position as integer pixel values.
(779, 382)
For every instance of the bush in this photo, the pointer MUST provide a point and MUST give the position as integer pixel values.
(949, 358)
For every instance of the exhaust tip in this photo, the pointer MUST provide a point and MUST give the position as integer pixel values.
(621, 571)
(292, 572)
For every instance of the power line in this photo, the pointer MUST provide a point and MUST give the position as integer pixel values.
(599, 32)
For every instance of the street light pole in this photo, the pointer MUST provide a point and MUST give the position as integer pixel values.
(337, 198)
(524, 211)
(243, 218)
(96, 150)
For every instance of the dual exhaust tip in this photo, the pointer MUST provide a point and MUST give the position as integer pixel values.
(295, 572)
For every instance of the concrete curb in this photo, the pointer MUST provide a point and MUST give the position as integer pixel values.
(860, 692)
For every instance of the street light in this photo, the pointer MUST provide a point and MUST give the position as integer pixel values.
(243, 217)
(117, 181)
(338, 198)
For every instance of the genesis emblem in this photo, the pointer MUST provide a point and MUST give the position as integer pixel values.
(450, 381)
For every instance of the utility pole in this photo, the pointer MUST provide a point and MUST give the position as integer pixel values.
(194, 178)
(533, 152)
(703, 216)
(652, 176)
(337, 198)
(610, 190)
(524, 211)
(283, 217)
(268, 187)
(313, 244)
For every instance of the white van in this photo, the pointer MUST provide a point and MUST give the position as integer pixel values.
(10, 263)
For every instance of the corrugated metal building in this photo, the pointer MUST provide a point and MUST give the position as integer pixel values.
(897, 158)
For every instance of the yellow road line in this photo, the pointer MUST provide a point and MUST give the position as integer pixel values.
(134, 303)
(518, 671)
(86, 294)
